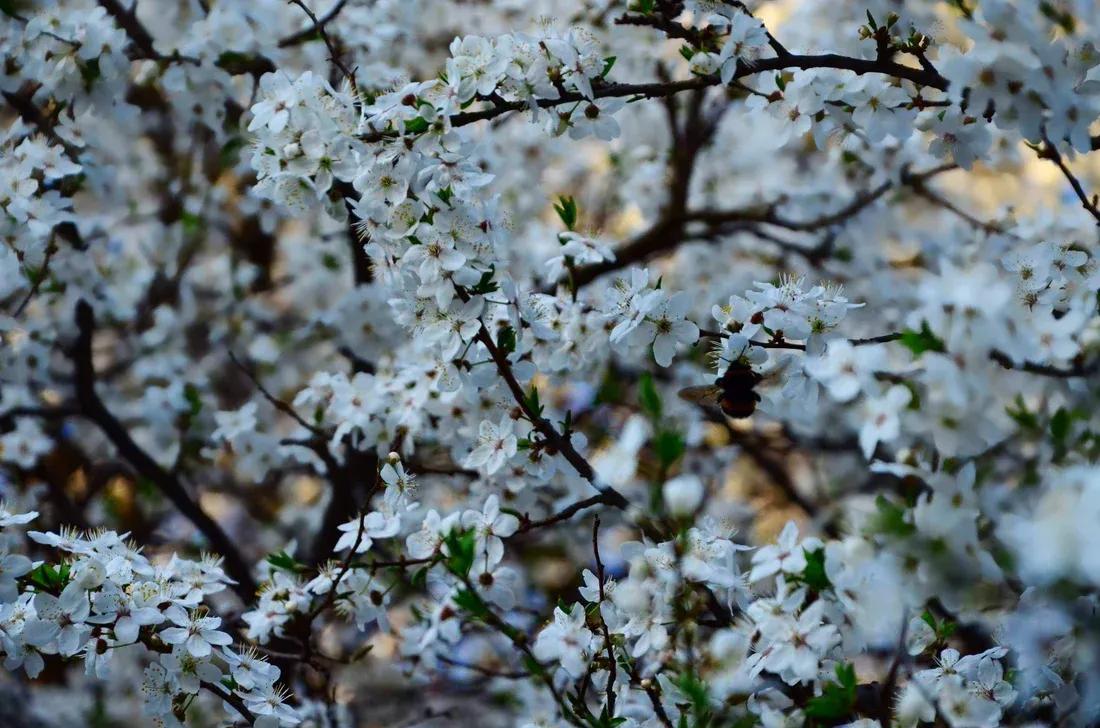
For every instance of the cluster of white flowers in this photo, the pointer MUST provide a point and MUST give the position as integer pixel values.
(788, 311)
(383, 302)
(646, 317)
(102, 596)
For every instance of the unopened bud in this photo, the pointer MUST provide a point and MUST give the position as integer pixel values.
(683, 495)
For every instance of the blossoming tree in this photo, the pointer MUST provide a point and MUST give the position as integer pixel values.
(341, 344)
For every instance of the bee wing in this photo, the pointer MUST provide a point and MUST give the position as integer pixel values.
(775, 374)
(709, 395)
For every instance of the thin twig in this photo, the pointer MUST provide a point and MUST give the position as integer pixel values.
(38, 283)
(608, 495)
(563, 515)
(1091, 204)
(232, 700)
(314, 29)
(612, 666)
(277, 403)
(334, 53)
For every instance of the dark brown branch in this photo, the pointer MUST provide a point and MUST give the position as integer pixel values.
(922, 189)
(50, 250)
(882, 339)
(314, 29)
(859, 66)
(1079, 370)
(232, 700)
(22, 102)
(1091, 204)
(612, 663)
(563, 515)
(275, 402)
(92, 407)
(688, 140)
(667, 233)
(700, 38)
(143, 46)
(360, 261)
(555, 439)
(334, 52)
(341, 506)
(135, 31)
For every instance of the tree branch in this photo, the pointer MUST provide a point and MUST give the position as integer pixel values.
(859, 66)
(334, 52)
(1091, 204)
(666, 234)
(562, 444)
(563, 515)
(315, 28)
(92, 407)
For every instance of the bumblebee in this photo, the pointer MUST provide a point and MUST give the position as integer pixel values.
(734, 392)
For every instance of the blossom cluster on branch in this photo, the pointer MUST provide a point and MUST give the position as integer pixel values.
(341, 344)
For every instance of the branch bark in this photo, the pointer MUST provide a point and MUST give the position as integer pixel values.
(561, 443)
(92, 407)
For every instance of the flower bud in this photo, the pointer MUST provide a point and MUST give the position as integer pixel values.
(683, 495)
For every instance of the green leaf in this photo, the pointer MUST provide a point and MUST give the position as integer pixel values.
(914, 395)
(191, 223)
(697, 692)
(506, 339)
(669, 446)
(890, 519)
(532, 666)
(460, 551)
(838, 698)
(285, 562)
(648, 397)
(1060, 424)
(533, 403)
(611, 389)
(566, 207)
(814, 575)
(608, 64)
(1026, 419)
(90, 72)
(234, 61)
(35, 275)
(468, 601)
(942, 629)
(416, 125)
(419, 578)
(567, 423)
(921, 341)
(50, 578)
(485, 284)
(194, 399)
